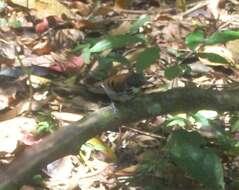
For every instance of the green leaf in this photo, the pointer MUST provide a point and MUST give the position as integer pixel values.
(44, 127)
(147, 58)
(195, 38)
(118, 41)
(139, 23)
(176, 71)
(186, 150)
(213, 57)
(86, 55)
(199, 118)
(79, 47)
(3, 22)
(118, 58)
(235, 125)
(38, 179)
(175, 52)
(176, 121)
(222, 37)
(208, 114)
(102, 69)
(15, 24)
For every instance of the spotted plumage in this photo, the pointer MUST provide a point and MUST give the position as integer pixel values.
(121, 87)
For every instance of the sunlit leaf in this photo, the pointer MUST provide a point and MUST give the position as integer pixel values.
(86, 55)
(195, 38)
(45, 8)
(139, 23)
(147, 58)
(176, 120)
(174, 52)
(200, 119)
(213, 57)
(118, 41)
(222, 37)
(99, 145)
(187, 152)
(43, 127)
(209, 114)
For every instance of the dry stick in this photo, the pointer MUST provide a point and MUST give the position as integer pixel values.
(196, 7)
(145, 133)
(128, 11)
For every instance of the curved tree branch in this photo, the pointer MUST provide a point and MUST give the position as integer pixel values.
(69, 139)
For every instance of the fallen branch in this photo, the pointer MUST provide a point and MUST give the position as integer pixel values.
(68, 140)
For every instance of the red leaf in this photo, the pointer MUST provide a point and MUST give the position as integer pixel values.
(74, 64)
(42, 26)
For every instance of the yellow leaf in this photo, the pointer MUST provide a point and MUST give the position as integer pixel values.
(102, 147)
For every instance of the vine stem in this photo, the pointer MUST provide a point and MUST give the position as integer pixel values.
(28, 73)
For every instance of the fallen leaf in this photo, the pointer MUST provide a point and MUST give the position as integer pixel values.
(73, 64)
(45, 8)
(69, 117)
(27, 187)
(219, 50)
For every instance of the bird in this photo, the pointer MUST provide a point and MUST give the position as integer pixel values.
(120, 87)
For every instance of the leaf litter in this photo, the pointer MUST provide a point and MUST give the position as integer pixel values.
(43, 34)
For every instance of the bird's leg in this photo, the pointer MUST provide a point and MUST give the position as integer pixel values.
(113, 107)
(112, 102)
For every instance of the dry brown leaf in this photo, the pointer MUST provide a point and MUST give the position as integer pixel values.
(122, 4)
(27, 187)
(69, 117)
(22, 107)
(8, 91)
(128, 171)
(83, 8)
(132, 56)
(122, 29)
(45, 8)
(42, 47)
(60, 169)
(7, 52)
(15, 132)
(233, 47)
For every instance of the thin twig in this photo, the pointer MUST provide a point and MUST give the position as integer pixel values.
(28, 73)
(128, 11)
(196, 7)
(145, 133)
